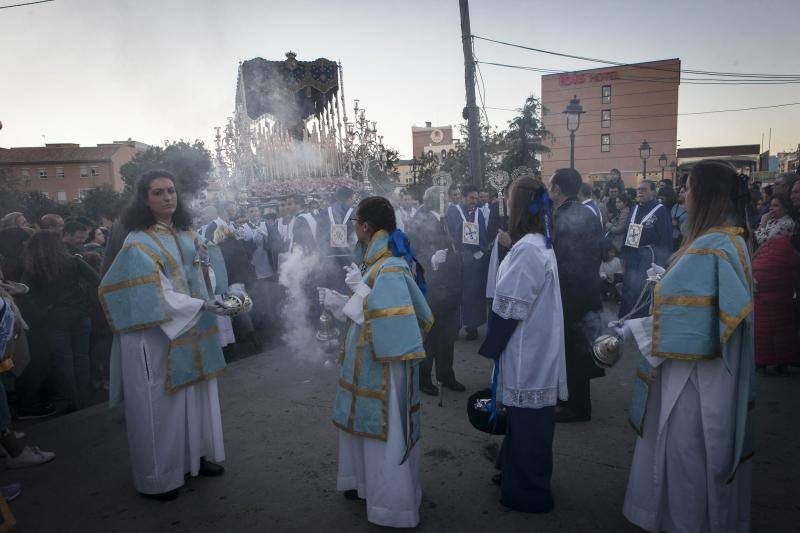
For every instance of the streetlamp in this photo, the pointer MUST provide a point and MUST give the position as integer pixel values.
(673, 167)
(573, 111)
(644, 153)
(662, 162)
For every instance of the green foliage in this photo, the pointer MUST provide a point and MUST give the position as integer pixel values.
(492, 149)
(10, 197)
(524, 137)
(102, 201)
(35, 204)
(189, 163)
(425, 167)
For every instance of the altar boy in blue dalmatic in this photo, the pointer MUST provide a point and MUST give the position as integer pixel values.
(165, 355)
(377, 405)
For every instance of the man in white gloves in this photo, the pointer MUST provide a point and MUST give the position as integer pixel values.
(442, 265)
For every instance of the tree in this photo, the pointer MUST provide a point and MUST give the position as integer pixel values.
(101, 202)
(423, 168)
(523, 140)
(36, 204)
(10, 197)
(189, 163)
(491, 154)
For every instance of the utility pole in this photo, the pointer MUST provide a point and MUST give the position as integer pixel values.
(471, 110)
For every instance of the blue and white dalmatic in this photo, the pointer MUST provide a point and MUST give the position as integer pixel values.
(396, 320)
(132, 297)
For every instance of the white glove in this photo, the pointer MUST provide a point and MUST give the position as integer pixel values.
(218, 309)
(332, 301)
(655, 272)
(617, 328)
(439, 257)
(355, 281)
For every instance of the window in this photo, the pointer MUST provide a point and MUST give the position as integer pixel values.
(606, 118)
(46, 194)
(60, 173)
(62, 196)
(82, 193)
(84, 172)
(95, 171)
(43, 173)
(606, 94)
(25, 173)
(605, 142)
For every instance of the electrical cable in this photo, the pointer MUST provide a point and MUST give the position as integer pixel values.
(617, 63)
(689, 81)
(594, 110)
(27, 4)
(666, 115)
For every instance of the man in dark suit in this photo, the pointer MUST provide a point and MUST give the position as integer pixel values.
(576, 242)
(439, 256)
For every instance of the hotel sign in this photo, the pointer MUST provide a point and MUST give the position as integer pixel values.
(577, 79)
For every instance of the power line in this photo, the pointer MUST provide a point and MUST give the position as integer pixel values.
(634, 79)
(617, 63)
(651, 141)
(26, 4)
(634, 117)
(480, 94)
(609, 108)
(615, 95)
(626, 132)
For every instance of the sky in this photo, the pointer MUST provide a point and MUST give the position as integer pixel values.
(94, 71)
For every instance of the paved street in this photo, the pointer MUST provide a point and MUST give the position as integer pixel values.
(281, 465)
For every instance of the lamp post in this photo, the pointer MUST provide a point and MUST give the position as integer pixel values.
(673, 167)
(573, 111)
(644, 153)
(662, 162)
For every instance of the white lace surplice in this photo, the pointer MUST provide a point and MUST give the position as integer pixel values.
(532, 367)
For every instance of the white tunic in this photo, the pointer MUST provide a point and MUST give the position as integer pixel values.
(168, 433)
(533, 370)
(393, 491)
(677, 479)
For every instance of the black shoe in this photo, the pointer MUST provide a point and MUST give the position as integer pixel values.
(351, 494)
(497, 479)
(209, 469)
(454, 386)
(430, 389)
(565, 415)
(162, 496)
(472, 334)
(44, 412)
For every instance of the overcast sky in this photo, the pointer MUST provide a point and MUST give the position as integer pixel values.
(93, 71)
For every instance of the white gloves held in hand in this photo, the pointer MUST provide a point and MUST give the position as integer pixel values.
(355, 281)
(332, 301)
(218, 309)
(439, 257)
(655, 272)
(617, 329)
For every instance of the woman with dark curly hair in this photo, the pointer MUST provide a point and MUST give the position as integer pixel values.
(166, 354)
(58, 306)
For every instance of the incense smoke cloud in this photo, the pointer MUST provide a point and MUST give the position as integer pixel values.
(299, 329)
